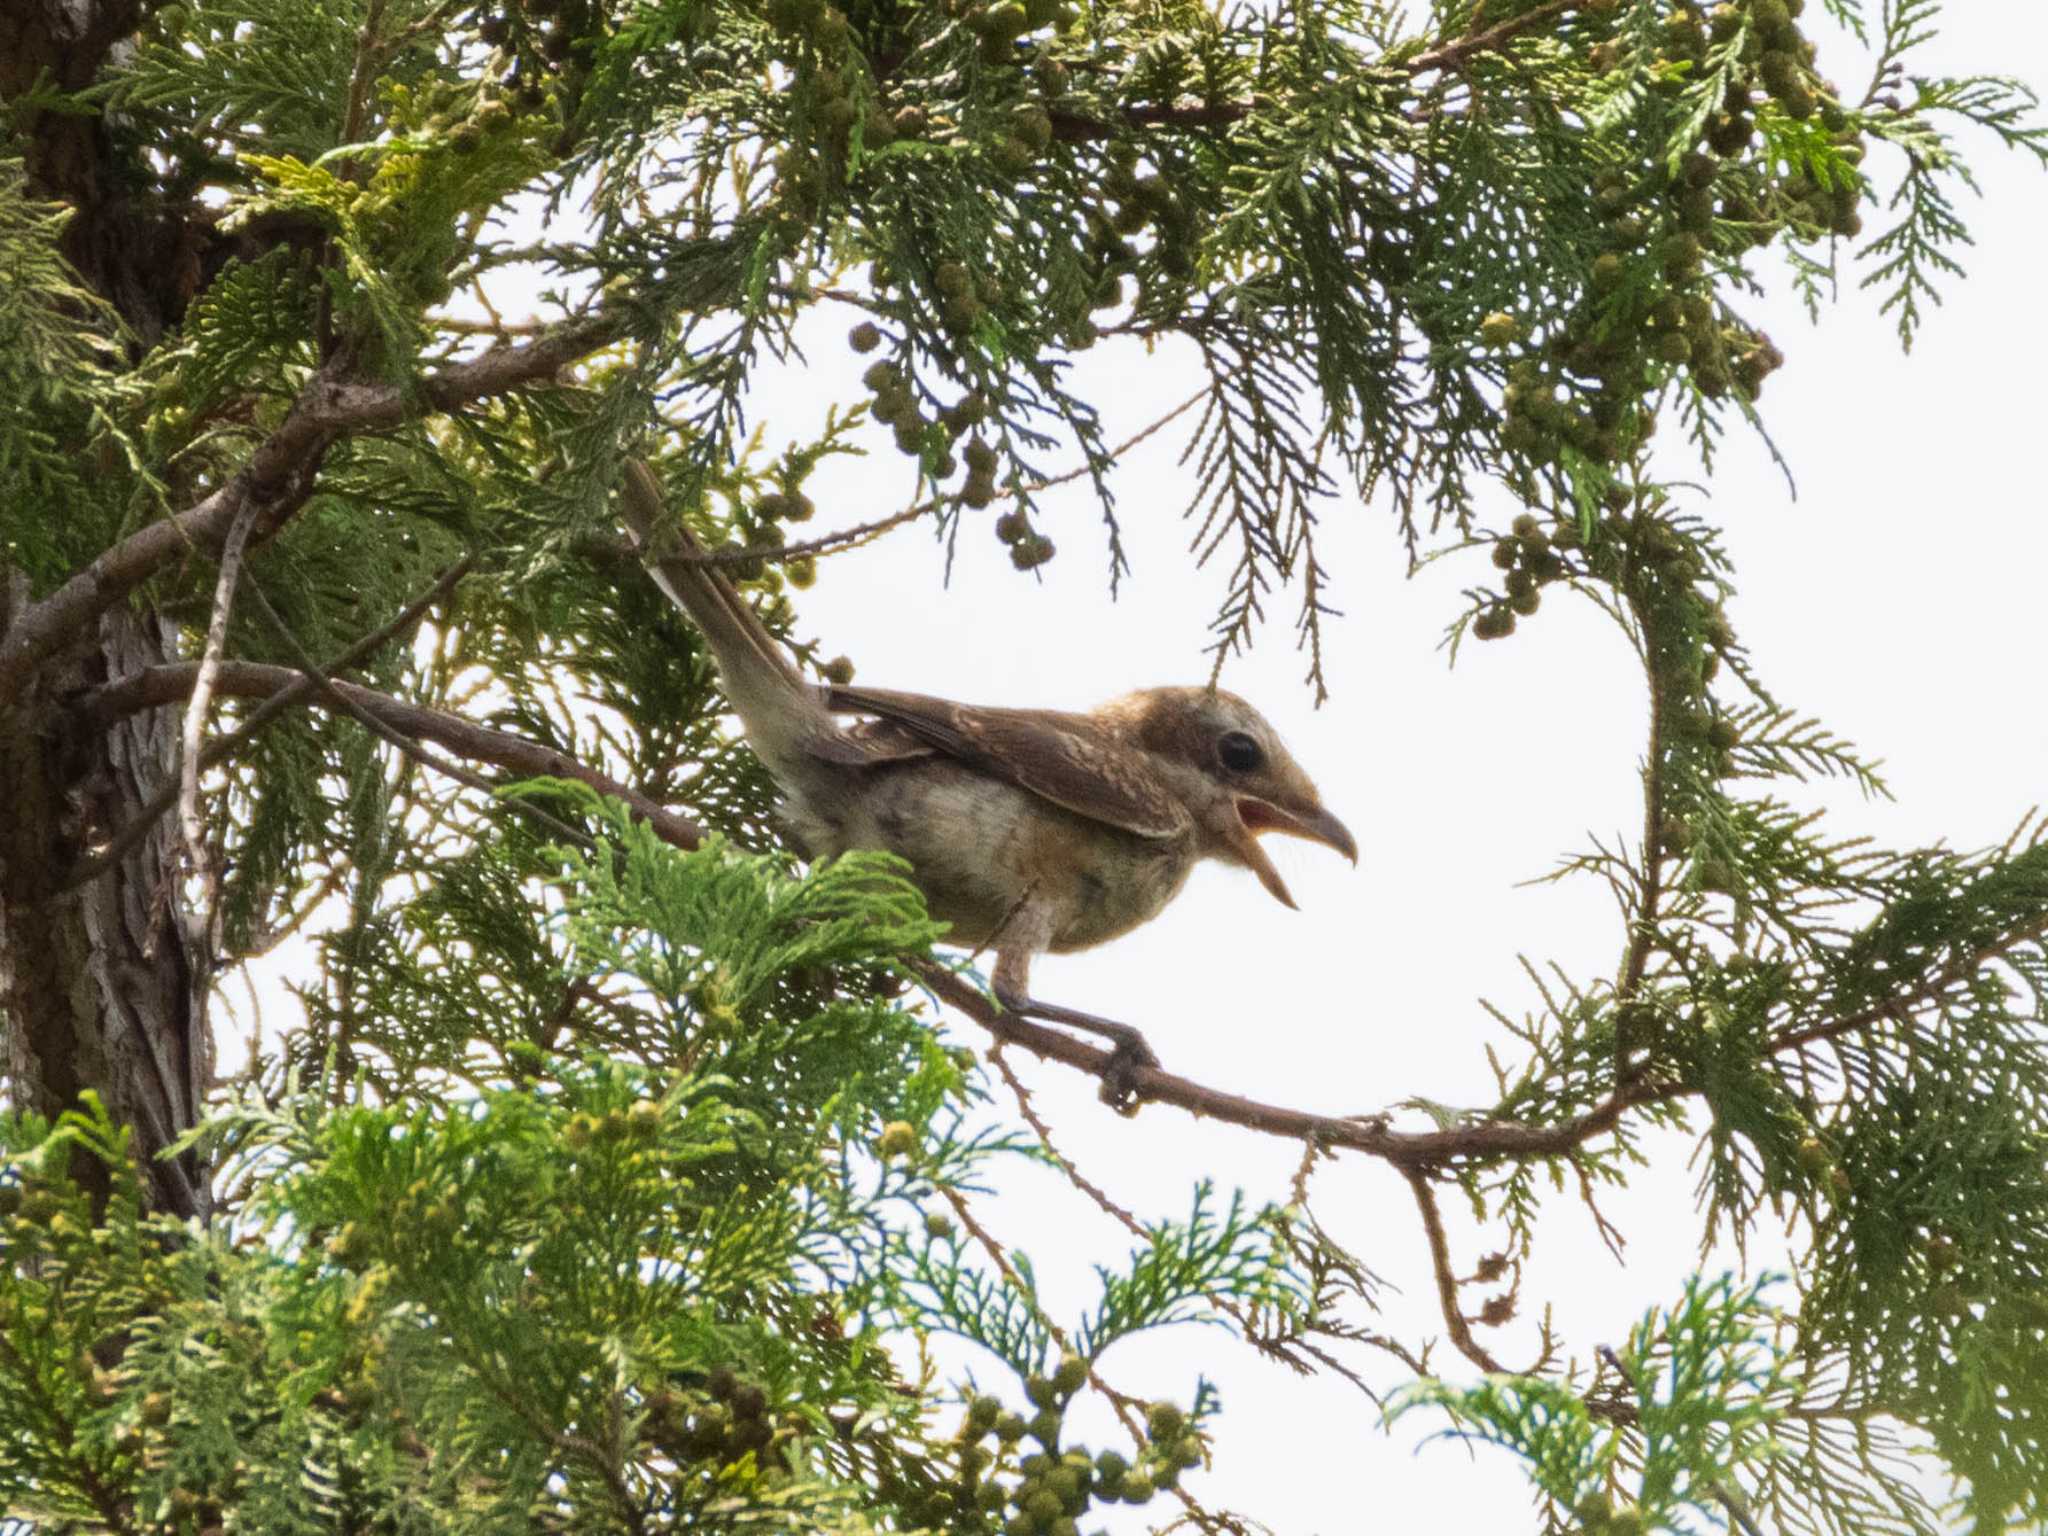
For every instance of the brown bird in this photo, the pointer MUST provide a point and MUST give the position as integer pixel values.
(1027, 830)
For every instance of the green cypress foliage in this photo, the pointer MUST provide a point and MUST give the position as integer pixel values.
(613, 1185)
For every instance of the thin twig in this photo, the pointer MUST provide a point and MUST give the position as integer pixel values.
(1446, 1278)
(118, 846)
(1737, 1507)
(1896, 1008)
(153, 686)
(1650, 888)
(607, 1464)
(1079, 1180)
(606, 1467)
(434, 21)
(1136, 1228)
(860, 533)
(1122, 1403)
(1454, 53)
(368, 57)
(1731, 1499)
(999, 1256)
(397, 740)
(456, 325)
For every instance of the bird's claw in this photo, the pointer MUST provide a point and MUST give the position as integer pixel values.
(1120, 1077)
(1130, 1057)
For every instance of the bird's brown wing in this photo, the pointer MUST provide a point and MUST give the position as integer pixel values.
(1067, 759)
(870, 743)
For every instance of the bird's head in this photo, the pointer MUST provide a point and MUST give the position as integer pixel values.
(1238, 776)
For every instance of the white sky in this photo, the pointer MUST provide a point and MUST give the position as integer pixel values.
(1899, 598)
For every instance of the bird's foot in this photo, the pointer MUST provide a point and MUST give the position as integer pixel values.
(1120, 1077)
(1132, 1053)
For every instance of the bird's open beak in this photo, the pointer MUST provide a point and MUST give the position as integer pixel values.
(1316, 824)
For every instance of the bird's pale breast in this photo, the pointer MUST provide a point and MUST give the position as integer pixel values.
(979, 848)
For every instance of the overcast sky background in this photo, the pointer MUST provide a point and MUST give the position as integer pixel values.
(1899, 597)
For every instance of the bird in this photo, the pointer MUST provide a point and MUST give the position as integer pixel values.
(1028, 831)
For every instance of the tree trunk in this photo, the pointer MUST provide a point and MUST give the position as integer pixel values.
(101, 988)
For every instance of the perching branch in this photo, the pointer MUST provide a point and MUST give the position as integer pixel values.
(1367, 1133)
(1414, 1152)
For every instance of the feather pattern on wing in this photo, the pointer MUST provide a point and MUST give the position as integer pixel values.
(1071, 760)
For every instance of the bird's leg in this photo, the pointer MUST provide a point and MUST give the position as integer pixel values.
(1119, 1091)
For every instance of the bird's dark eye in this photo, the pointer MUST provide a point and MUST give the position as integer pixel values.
(1238, 752)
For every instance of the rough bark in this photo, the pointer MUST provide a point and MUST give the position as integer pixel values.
(103, 988)
(142, 257)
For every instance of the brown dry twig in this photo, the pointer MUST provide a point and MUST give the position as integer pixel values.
(220, 748)
(861, 533)
(1452, 54)
(1446, 1280)
(171, 683)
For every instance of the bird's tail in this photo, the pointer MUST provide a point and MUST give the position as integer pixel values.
(785, 718)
